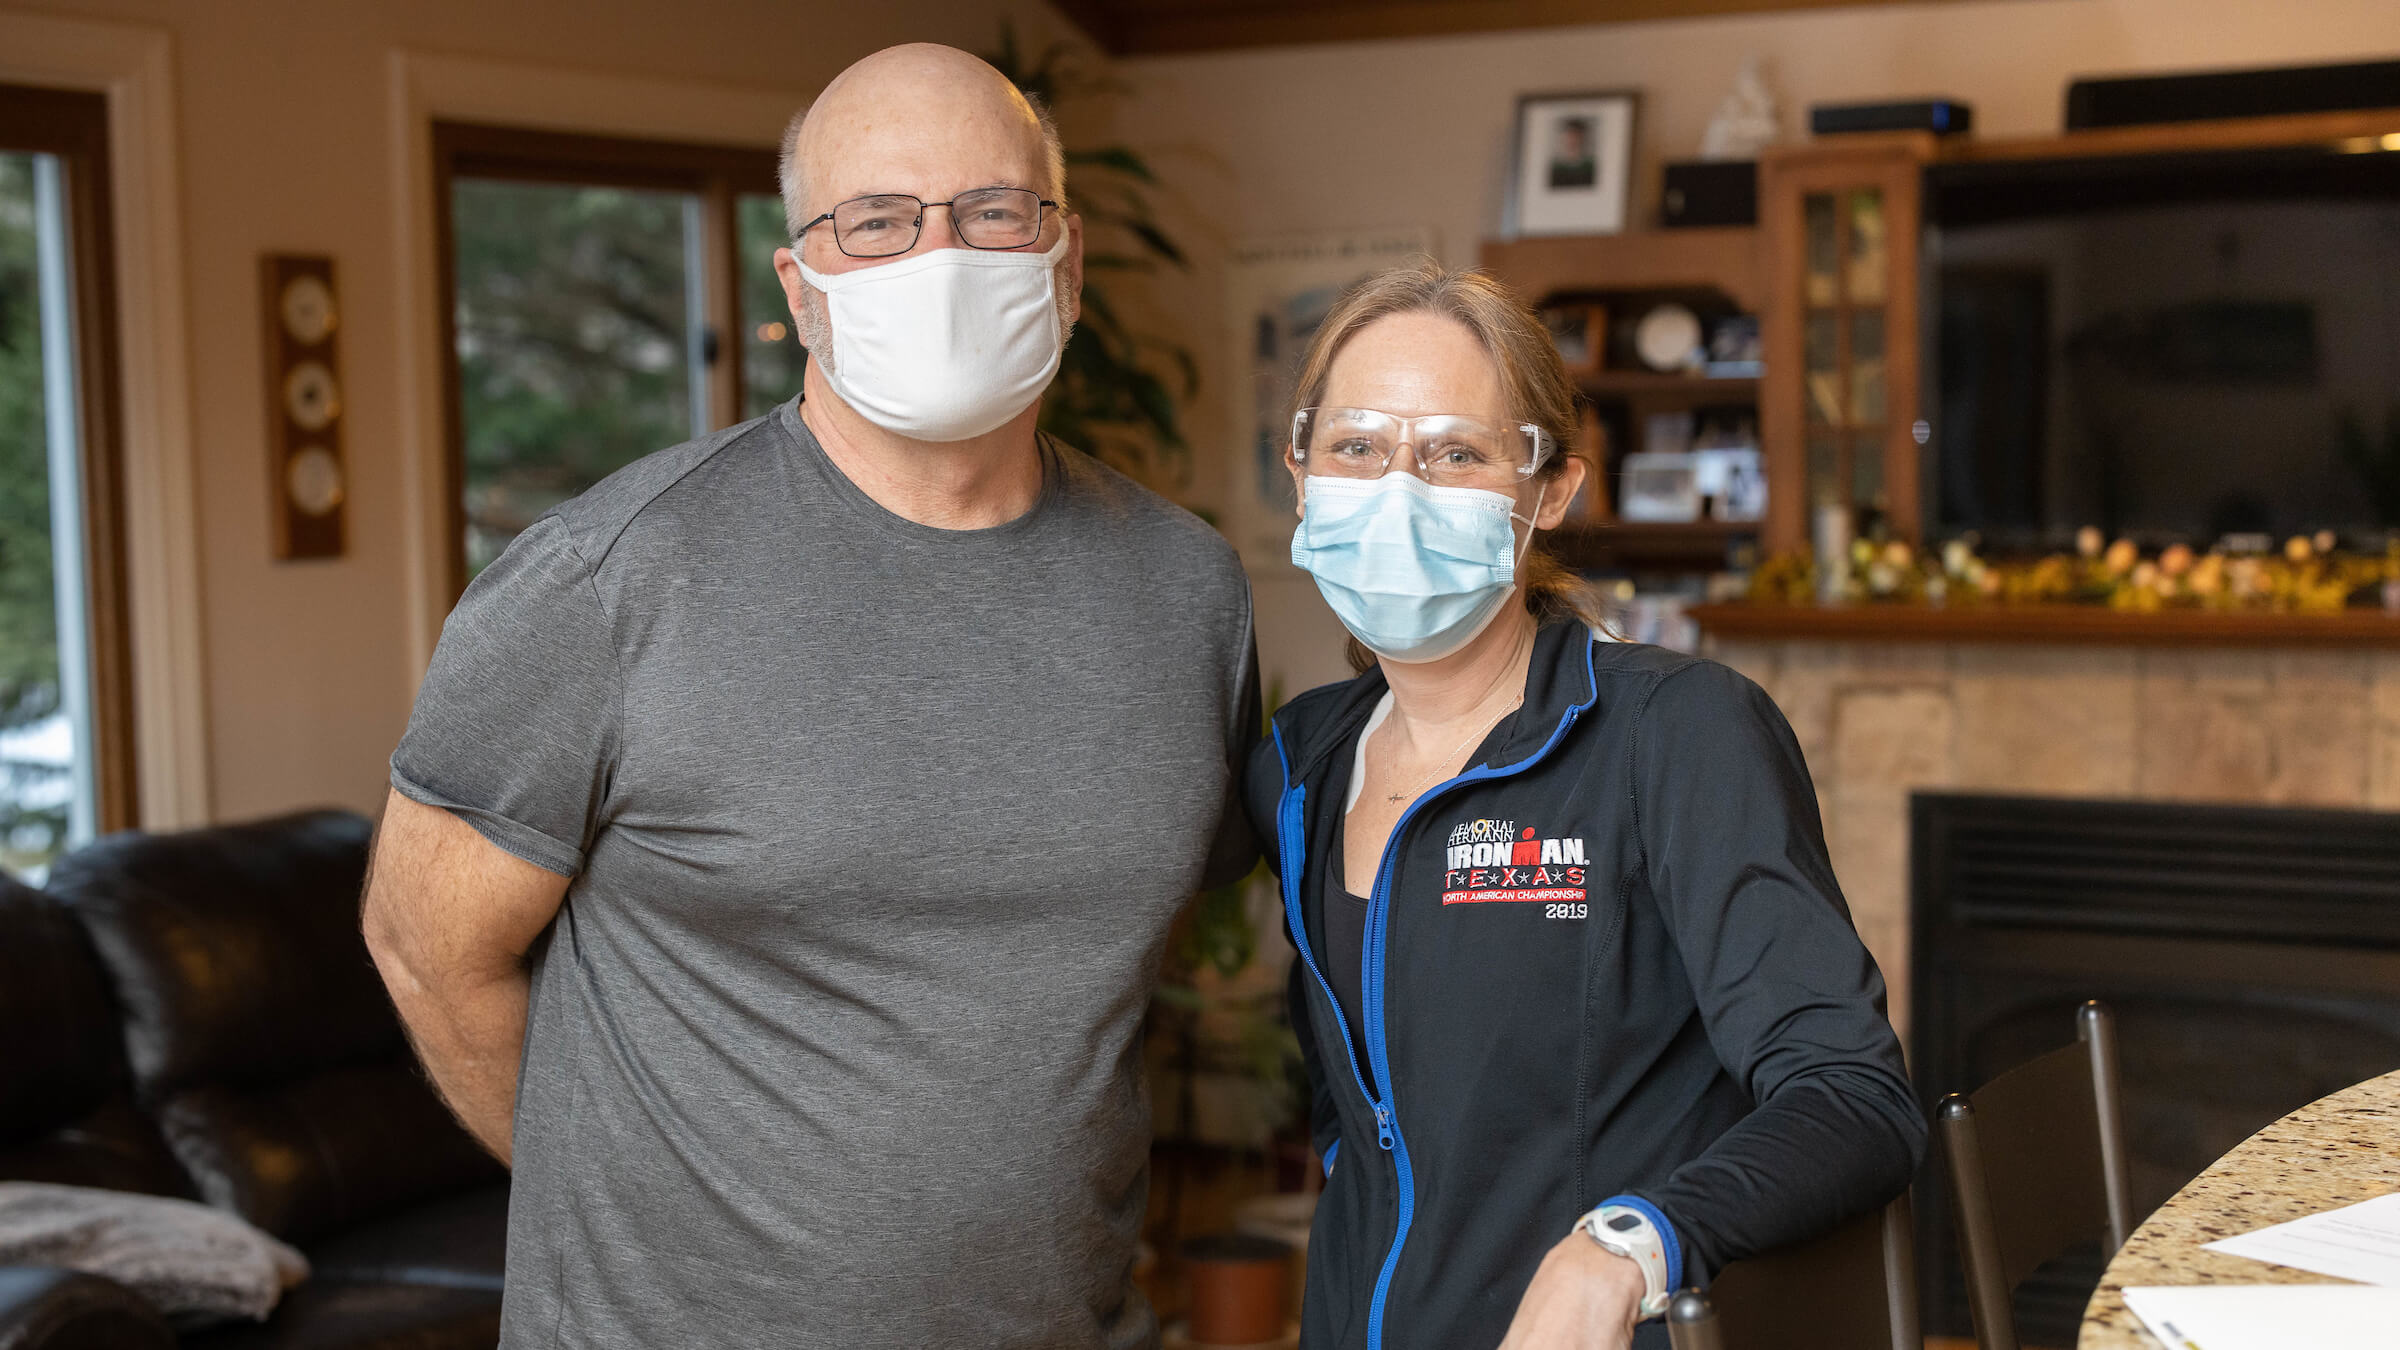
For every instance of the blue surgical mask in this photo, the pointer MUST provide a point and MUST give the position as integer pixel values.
(1412, 570)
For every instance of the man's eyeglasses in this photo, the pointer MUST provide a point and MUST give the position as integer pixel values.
(1446, 450)
(889, 223)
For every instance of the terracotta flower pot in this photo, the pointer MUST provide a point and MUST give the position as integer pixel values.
(1238, 1285)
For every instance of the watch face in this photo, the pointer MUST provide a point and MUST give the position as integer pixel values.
(311, 396)
(314, 480)
(308, 313)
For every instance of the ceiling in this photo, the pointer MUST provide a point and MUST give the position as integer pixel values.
(1143, 27)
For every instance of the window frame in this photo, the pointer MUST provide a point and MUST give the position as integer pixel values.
(73, 127)
(718, 174)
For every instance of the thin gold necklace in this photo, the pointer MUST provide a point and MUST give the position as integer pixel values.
(1409, 793)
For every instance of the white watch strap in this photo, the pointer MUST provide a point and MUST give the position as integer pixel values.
(1629, 1233)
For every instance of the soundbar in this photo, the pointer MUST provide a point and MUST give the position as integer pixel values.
(2142, 100)
(1925, 114)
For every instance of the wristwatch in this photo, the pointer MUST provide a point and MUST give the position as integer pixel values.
(1635, 1235)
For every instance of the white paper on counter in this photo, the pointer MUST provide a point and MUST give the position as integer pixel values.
(2356, 1242)
(2270, 1316)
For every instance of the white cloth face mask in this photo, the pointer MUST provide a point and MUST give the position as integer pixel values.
(946, 345)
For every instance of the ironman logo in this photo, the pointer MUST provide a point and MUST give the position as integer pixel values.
(1492, 862)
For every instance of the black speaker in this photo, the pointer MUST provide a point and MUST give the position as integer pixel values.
(2140, 100)
(1710, 192)
(1921, 114)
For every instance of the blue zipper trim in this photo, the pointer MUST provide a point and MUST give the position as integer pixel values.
(1332, 1151)
(1293, 838)
(1658, 1220)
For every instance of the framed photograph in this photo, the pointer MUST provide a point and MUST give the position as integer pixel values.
(1580, 332)
(1277, 290)
(1661, 487)
(1574, 163)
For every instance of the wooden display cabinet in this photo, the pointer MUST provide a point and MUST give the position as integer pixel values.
(1630, 272)
(1839, 411)
(1834, 270)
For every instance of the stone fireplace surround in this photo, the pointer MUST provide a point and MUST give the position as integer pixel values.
(2260, 725)
(2254, 725)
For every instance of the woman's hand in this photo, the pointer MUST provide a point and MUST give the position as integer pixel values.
(1584, 1297)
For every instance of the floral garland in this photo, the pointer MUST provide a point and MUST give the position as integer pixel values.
(2310, 576)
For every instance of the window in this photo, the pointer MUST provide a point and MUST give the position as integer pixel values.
(608, 298)
(65, 710)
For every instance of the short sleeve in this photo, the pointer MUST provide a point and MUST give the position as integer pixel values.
(516, 725)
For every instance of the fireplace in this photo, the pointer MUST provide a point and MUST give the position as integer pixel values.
(2251, 955)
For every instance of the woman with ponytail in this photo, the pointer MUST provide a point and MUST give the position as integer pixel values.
(1583, 1011)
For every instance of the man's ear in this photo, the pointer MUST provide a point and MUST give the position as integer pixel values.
(1071, 267)
(787, 271)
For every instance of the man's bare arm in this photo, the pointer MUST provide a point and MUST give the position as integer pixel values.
(449, 917)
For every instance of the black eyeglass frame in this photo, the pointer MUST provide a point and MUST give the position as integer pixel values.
(1040, 204)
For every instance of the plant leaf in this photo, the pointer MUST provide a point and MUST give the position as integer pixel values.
(1121, 159)
(1159, 243)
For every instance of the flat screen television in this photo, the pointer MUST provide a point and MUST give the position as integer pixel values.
(2173, 347)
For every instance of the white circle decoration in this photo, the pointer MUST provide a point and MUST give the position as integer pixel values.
(1668, 338)
(313, 477)
(308, 313)
(311, 396)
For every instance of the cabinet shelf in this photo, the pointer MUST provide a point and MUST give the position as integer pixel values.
(1738, 388)
(1723, 257)
(1696, 545)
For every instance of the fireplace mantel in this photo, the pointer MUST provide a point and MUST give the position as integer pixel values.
(2063, 624)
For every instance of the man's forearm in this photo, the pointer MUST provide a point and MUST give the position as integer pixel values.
(448, 917)
(471, 1036)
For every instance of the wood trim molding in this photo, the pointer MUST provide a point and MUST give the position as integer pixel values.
(1155, 27)
(2238, 133)
(132, 67)
(2078, 625)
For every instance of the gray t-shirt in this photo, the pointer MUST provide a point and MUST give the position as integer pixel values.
(875, 830)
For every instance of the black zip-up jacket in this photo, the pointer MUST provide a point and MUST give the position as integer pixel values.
(1609, 959)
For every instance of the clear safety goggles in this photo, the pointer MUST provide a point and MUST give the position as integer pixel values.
(1444, 449)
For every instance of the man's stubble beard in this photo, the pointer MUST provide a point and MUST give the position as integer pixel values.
(816, 322)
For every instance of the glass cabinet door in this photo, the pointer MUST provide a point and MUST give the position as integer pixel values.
(1839, 222)
(1847, 281)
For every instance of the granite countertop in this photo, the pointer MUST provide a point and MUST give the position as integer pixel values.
(2337, 1151)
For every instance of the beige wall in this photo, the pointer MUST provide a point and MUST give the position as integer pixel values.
(284, 112)
(1415, 132)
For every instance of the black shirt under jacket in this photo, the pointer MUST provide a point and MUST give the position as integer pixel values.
(1614, 961)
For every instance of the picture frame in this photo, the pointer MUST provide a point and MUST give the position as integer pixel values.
(1661, 487)
(1580, 332)
(1573, 163)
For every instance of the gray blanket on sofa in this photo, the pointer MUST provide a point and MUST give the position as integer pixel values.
(190, 1261)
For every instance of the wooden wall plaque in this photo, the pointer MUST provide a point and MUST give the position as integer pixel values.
(308, 479)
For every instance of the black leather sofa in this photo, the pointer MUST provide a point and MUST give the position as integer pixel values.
(195, 1015)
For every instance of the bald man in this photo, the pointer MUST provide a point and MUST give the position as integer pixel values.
(780, 851)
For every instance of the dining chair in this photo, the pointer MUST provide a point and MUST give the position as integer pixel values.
(2036, 1159)
(1855, 1288)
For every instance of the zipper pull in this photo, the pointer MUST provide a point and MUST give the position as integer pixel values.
(1383, 1127)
